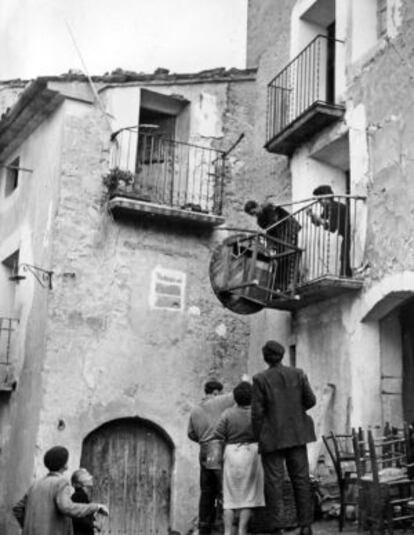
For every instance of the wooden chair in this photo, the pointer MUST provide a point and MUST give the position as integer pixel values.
(386, 492)
(339, 447)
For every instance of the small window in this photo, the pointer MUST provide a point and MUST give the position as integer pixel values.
(8, 269)
(167, 289)
(12, 177)
(381, 18)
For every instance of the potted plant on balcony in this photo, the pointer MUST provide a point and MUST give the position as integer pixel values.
(118, 181)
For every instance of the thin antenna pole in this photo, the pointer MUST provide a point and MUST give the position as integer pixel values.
(85, 69)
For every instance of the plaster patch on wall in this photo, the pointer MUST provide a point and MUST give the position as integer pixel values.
(208, 116)
(167, 289)
(221, 330)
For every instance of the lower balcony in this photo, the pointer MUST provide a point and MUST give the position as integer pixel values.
(171, 179)
(8, 327)
(306, 257)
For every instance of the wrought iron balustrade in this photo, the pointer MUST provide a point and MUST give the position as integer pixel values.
(308, 79)
(171, 173)
(325, 232)
(310, 251)
(8, 326)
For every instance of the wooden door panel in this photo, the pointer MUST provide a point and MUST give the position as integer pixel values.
(131, 463)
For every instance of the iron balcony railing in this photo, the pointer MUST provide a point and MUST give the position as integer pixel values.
(307, 79)
(315, 241)
(324, 229)
(172, 173)
(8, 327)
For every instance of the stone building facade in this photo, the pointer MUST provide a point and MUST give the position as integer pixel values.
(106, 357)
(352, 133)
(109, 359)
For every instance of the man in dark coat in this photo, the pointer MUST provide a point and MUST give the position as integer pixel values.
(334, 217)
(281, 397)
(285, 235)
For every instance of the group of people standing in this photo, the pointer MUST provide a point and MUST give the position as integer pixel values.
(263, 427)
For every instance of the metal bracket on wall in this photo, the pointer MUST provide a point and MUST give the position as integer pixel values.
(43, 276)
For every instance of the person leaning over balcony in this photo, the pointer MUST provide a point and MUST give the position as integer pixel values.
(47, 507)
(242, 470)
(281, 397)
(201, 426)
(334, 217)
(268, 214)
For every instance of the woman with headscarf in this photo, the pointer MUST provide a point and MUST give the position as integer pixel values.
(242, 469)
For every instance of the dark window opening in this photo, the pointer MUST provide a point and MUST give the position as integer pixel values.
(12, 177)
(330, 79)
(154, 128)
(12, 262)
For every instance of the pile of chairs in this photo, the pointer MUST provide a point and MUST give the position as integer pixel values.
(375, 473)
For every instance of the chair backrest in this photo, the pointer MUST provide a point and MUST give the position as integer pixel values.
(339, 447)
(388, 455)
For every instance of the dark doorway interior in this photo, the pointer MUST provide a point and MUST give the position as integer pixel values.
(407, 332)
(330, 79)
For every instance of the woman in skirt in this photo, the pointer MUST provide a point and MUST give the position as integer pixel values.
(242, 468)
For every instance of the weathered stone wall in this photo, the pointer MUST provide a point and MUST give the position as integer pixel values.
(384, 85)
(109, 355)
(268, 44)
(25, 224)
(334, 342)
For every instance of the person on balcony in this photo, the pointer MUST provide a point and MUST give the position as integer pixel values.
(242, 469)
(201, 427)
(334, 217)
(284, 229)
(281, 397)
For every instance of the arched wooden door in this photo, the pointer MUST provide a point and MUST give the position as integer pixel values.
(131, 462)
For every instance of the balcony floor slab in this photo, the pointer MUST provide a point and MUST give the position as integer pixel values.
(315, 118)
(126, 206)
(321, 289)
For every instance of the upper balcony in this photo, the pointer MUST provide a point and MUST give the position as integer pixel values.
(8, 327)
(171, 179)
(307, 256)
(301, 98)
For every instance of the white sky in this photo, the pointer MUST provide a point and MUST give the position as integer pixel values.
(138, 35)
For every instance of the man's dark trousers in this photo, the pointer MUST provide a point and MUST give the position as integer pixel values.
(298, 469)
(210, 506)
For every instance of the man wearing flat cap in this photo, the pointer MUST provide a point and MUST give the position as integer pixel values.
(47, 508)
(281, 397)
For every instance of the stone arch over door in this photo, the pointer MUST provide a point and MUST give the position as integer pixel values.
(390, 305)
(131, 460)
